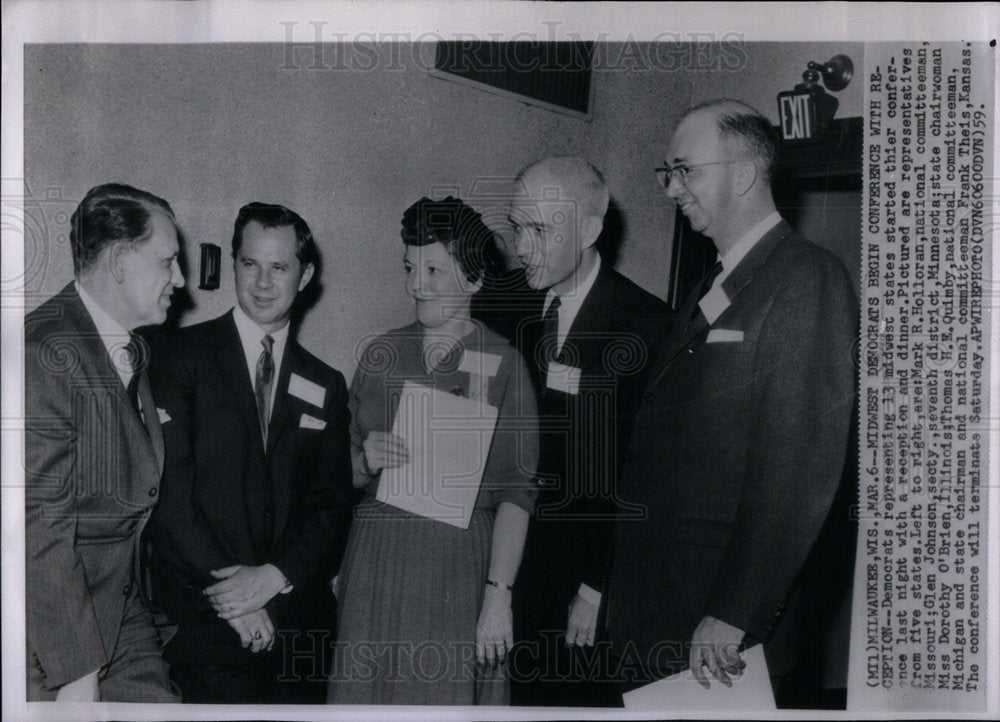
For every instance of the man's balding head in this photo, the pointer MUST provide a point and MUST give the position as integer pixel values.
(558, 213)
(745, 129)
(568, 177)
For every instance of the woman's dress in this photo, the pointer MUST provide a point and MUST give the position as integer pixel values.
(410, 588)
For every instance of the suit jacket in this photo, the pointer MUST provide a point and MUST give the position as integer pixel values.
(737, 452)
(92, 473)
(227, 500)
(584, 435)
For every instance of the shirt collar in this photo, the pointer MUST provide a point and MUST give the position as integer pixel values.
(570, 303)
(251, 336)
(738, 252)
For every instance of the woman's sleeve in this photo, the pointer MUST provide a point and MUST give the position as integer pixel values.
(514, 454)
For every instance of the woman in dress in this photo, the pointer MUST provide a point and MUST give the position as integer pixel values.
(425, 614)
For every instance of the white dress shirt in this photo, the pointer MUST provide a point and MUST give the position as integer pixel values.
(570, 303)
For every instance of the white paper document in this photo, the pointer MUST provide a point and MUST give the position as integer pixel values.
(751, 691)
(449, 438)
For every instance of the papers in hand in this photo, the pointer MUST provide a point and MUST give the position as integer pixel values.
(751, 691)
(449, 440)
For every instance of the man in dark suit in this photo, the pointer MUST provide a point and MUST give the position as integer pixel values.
(94, 454)
(256, 497)
(587, 349)
(740, 439)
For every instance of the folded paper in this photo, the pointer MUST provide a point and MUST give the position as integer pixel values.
(448, 438)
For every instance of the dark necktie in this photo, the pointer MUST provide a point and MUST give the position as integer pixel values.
(262, 386)
(133, 351)
(550, 335)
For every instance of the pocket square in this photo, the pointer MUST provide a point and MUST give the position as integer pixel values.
(724, 335)
(311, 422)
(164, 416)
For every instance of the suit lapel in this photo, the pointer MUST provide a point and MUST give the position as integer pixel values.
(682, 333)
(152, 419)
(736, 281)
(588, 334)
(282, 418)
(96, 363)
(282, 404)
(233, 363)
(680, 337)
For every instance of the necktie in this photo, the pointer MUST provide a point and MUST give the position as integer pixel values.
(262, 385)
(706, 284)
(133, 350)
(550, 331)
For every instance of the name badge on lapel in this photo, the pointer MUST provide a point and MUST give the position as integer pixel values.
(563, 378)
(480, 364)
(306, 390)
(724, 335)
(714, 303)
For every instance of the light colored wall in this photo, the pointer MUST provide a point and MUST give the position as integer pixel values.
(211, 127)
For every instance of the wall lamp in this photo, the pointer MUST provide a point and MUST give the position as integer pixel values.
(805, 112)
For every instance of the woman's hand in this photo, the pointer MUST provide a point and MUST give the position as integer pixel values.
(384, 451)
(495, 630)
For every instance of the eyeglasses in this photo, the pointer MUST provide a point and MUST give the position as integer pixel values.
(665, 173)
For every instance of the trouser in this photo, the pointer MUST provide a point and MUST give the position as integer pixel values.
(136, 672)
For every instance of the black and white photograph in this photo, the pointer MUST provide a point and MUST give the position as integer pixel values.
(499, 360)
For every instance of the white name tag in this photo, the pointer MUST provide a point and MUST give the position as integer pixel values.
(563, 378)
(724, 335)
(480, 364)
(306, 390)
(311, 422)
(714, 303)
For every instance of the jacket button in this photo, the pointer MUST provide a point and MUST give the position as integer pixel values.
(127, 589)
(152, 491)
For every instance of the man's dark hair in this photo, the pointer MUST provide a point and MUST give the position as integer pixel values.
(271, 215)
(740, 123)
(458, 228)
(111, 213)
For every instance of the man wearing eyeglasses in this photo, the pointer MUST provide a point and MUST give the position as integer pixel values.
(739, 443)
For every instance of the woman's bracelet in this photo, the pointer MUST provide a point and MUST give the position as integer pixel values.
(498, 585)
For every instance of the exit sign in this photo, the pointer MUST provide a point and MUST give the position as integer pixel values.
(797, 116)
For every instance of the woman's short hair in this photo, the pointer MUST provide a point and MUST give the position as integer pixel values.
(458, 228)
(111, 213)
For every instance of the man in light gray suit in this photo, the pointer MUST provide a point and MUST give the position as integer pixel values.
(94, 455)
